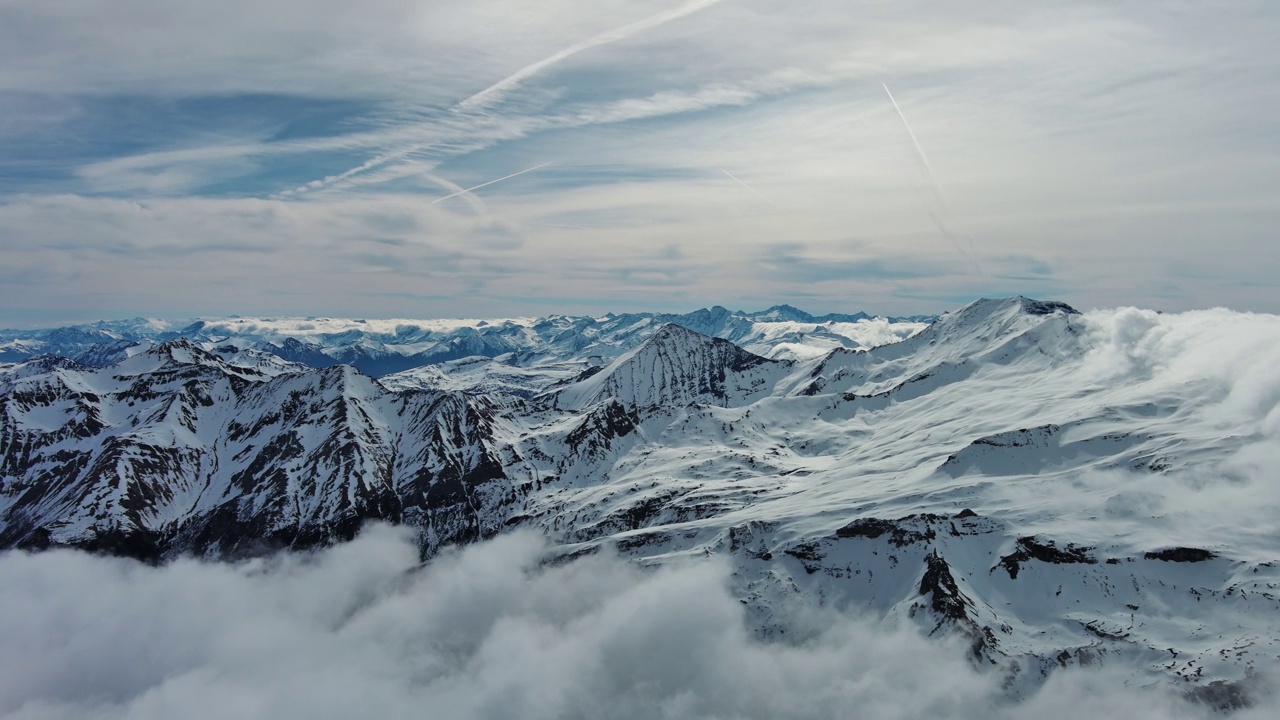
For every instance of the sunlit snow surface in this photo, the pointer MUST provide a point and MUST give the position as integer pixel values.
(1139, 448)
(1143, 432)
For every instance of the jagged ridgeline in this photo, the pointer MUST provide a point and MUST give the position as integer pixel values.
(214, 439)
(969, 473)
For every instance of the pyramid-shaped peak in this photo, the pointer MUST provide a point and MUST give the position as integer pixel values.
(782, 313)
(670, 331)
(674, 367)
(681, 341)
(181, 351)
(178, 349)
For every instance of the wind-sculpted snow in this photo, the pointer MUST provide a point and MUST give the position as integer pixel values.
(1047, 488)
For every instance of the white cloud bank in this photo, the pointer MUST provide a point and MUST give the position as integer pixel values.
(487, 632)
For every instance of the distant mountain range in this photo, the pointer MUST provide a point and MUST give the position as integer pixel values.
(383, 347)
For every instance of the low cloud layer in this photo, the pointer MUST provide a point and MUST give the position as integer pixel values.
(488, 632)
(1208, 383)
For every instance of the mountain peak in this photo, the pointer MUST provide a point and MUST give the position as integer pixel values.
(1020, 303)
(1045, 307)
(179, 351)
(1006, 308)
(674, 367)
(677, 338)
(781, 313)
(48, 363)
(671, 331)
(168, 348)
(988, 322)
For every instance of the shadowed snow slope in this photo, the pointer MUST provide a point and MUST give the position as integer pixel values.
(1050, 488)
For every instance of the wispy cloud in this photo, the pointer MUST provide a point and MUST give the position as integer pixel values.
(1050, 136)
(494, 92)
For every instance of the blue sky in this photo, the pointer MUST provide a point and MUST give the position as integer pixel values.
(173, 158)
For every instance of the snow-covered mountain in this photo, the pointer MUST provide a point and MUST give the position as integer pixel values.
(383, 347)
(1058, 488)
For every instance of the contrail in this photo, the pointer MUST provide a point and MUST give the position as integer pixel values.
(496, 90)
(748, 187)
(472, 199)
(371, 163)
(486, 184)
(924, 159)
(934, 188)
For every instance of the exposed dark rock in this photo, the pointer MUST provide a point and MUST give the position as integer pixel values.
(1030, 548)
(902, 532)
(1096, 629)
(34, 541)
(1046, 307)
(139, 545)
(1022, 437)
(1224, 696)
(564, 558)
(950, 604)
(644, 512)
(601, 426)
(940, 585)
(632, 542)
(809, 554)
(867, 528)
(748, 534)
(1181, 554)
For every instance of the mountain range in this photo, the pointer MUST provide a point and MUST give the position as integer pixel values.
(383, 347)
(1055, 487)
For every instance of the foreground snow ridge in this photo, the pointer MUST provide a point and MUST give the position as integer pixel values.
(1050, 488)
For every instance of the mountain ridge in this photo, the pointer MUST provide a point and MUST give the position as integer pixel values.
(386, 347)
(1010, 474)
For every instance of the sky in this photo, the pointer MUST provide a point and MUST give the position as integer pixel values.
(170, 158)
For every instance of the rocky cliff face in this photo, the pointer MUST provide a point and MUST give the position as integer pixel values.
(176, 451)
